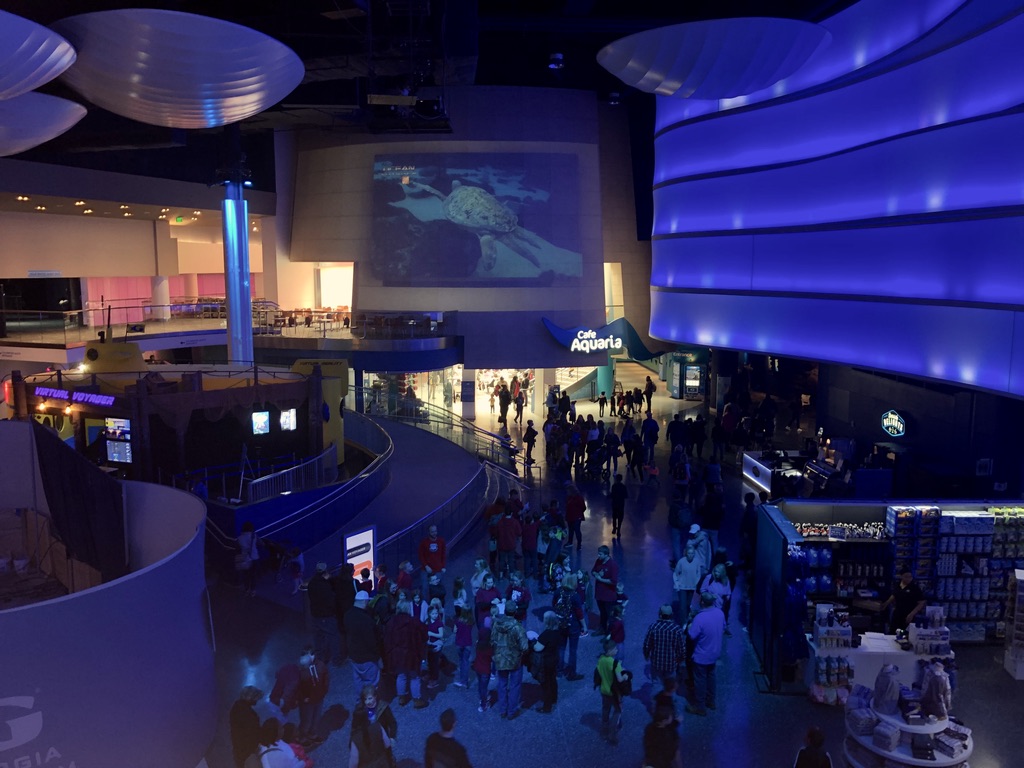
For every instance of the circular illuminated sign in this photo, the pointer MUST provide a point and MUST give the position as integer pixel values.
(893, 424)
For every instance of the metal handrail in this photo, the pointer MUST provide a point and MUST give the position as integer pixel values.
(489, 446)
(312, 473)
(375, 473)
(456, 517)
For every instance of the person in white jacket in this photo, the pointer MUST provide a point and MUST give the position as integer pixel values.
(685, 578)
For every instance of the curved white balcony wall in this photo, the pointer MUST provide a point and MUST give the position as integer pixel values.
(122, 673)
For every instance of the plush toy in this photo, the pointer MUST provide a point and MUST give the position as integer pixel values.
(937, 697)
(887, 690)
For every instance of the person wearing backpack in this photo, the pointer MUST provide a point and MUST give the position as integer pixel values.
(679, 516)
(273, 751)
(613, 444)
(649, 389)
(608, 674)
(548, 645)
(508, 638)
(573, 623)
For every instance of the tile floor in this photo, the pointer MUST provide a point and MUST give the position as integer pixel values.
(748, 730)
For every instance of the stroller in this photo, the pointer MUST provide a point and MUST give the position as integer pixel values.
(596, 466)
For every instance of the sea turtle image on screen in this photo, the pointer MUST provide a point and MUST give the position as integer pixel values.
(476, 211)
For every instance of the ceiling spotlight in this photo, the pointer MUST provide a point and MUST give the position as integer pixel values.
(22, 199)
(124, 207)
(79, 203)
(197, 213)
(162, 216)
(87, 210)
(127, 213)
(42, 405)
(557, 61)
(40, 207)
(165, 210)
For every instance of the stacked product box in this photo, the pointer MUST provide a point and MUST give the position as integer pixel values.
(1007, 552)
(963, 582)
(1013, 658)
(915, 539)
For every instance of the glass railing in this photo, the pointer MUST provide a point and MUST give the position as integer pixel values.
(322, 515)
(122, 321)
(456, 517)
(488, 446)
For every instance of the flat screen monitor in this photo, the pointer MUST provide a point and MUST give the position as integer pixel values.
(117, 429)
(261, 422)
(119, 451)
(288, 420)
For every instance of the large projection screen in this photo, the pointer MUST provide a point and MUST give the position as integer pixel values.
(474, 219)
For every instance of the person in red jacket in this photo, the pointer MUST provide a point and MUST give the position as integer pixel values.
(433, 553)
(510, 531)
(575, 514)
(606, 576)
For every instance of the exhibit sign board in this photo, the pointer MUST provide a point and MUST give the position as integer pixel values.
(359, 549)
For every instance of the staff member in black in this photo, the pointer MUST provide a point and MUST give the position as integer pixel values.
(907, 600)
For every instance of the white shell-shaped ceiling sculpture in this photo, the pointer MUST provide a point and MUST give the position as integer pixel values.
(177, 70)
(31, 119)
(30, 55)
(717, 59)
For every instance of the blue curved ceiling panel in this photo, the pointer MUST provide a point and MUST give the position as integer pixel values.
(967, 345)
(976, 78)
(955, 168)
(862, 34)
(924, 261)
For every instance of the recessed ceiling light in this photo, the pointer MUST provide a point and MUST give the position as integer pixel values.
(197, 213)
(127, 213)
(162, 216)
(40, 207)
(79, 202)
(124, 207)
(165, 210)
(87, 210)
(22, 198)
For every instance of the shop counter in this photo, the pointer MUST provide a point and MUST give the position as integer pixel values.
(875, 651)
(771, 470)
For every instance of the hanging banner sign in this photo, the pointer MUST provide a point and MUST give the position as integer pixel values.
(617, 336)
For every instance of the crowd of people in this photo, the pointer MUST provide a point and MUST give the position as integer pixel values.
(525, 608)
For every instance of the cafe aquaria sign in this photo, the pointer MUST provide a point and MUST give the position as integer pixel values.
(617, 336)
(893, 424)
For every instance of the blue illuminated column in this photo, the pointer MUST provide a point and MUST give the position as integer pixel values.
(236, 273)
(606, 377)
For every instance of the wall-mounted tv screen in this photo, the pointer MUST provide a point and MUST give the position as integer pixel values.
(288, 420)
(117, 429)
(474, 218)
(119, 452)
(261, 422)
